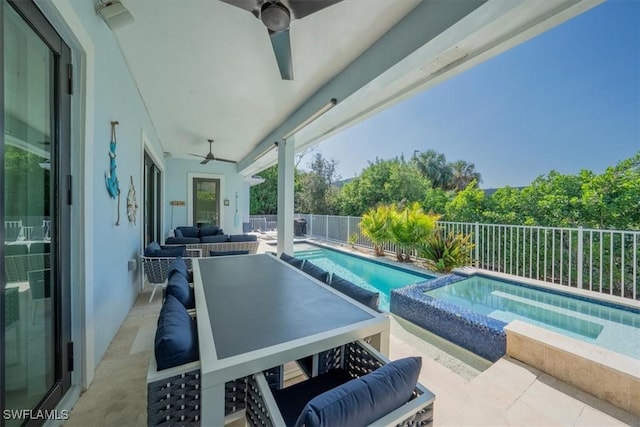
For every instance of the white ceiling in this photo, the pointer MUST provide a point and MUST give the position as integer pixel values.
(206, 69)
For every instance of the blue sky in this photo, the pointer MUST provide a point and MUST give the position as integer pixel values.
(566, 100)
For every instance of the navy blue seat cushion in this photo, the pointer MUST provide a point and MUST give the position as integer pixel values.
(176, 341)
(243, 238)
(208, 230)
(178, 266)
(366, 399)
(363, 296)
(178, 287)
(315, 271)
(293, 399)
(296, 262)
(187, 231)
(181, 240)
(225, 253)
(151, 248)
(218, 238)
(170, 252)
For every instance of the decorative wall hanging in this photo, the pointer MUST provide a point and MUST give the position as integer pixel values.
(113, 187)
(132, 205)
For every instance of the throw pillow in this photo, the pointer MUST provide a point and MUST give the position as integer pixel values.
(209, 230)
(151, 249)
(178, 266)
(296, 262)
(315, 271)
(363, 296)
(366, 399)
(179, 288)
(176, 341)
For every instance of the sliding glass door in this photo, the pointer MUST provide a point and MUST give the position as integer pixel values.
(34, 180)
(152, 202)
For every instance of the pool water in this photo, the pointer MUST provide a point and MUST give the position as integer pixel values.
(613, 328)
(370, 275)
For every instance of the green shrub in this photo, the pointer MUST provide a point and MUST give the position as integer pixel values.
(444, 253)
(375, 226)
(408, 228)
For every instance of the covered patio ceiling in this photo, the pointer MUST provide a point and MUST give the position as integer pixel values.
(206, 69)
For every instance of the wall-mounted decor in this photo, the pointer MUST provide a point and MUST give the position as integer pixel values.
(113, 187)
(132, 205)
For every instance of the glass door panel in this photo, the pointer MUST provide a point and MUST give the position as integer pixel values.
(32, 331)
(206, 201)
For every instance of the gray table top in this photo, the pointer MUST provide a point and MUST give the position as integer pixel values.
(257, 301)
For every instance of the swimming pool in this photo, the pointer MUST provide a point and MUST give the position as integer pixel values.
(472, 312)
(369, 274)
(610, 327)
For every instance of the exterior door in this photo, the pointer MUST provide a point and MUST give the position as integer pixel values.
(35, 211)
(152, 201)
(206, 201)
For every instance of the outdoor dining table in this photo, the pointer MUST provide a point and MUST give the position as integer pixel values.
(256, 312)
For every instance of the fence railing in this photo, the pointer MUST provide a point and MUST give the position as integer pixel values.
(605, 261)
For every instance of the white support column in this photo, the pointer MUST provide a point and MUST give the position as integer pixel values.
(285, 196)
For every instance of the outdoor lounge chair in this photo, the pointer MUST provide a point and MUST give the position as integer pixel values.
(156, 268)
(173, 393)
(267, 406)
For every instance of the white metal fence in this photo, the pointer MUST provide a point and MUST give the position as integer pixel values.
(605, 261)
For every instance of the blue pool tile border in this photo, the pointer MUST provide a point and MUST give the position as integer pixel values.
(475, 332)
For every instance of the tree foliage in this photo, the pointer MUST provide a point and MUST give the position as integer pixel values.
(383, 181)
(607, 200)
(317, 193)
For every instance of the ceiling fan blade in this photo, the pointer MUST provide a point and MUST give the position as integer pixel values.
(205, 161)
(197, 155)
(301, 8)
(225, 160)
(282, 49)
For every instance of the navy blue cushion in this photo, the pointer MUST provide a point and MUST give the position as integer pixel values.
(243, 238)
(188, 231)
(366, 399)
(178, 233)
(315, 271)
(181, 240)
(169, 252)
(296, 262)
(218, 238)
(176, 341)
(151, 249)
(178, 266)
(178, 287)
(225, 253)
(292, 400)
(208, 230)
(363, 296)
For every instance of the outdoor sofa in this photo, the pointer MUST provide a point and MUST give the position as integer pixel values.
(212, 239)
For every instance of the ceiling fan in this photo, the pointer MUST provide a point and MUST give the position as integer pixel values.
(210, 156)
(277, 15)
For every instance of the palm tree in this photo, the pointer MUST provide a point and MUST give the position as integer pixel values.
(434, 166)
(462, 173)
(374, 225)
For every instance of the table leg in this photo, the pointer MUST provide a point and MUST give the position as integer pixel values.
(381, 342)
(213, 406)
